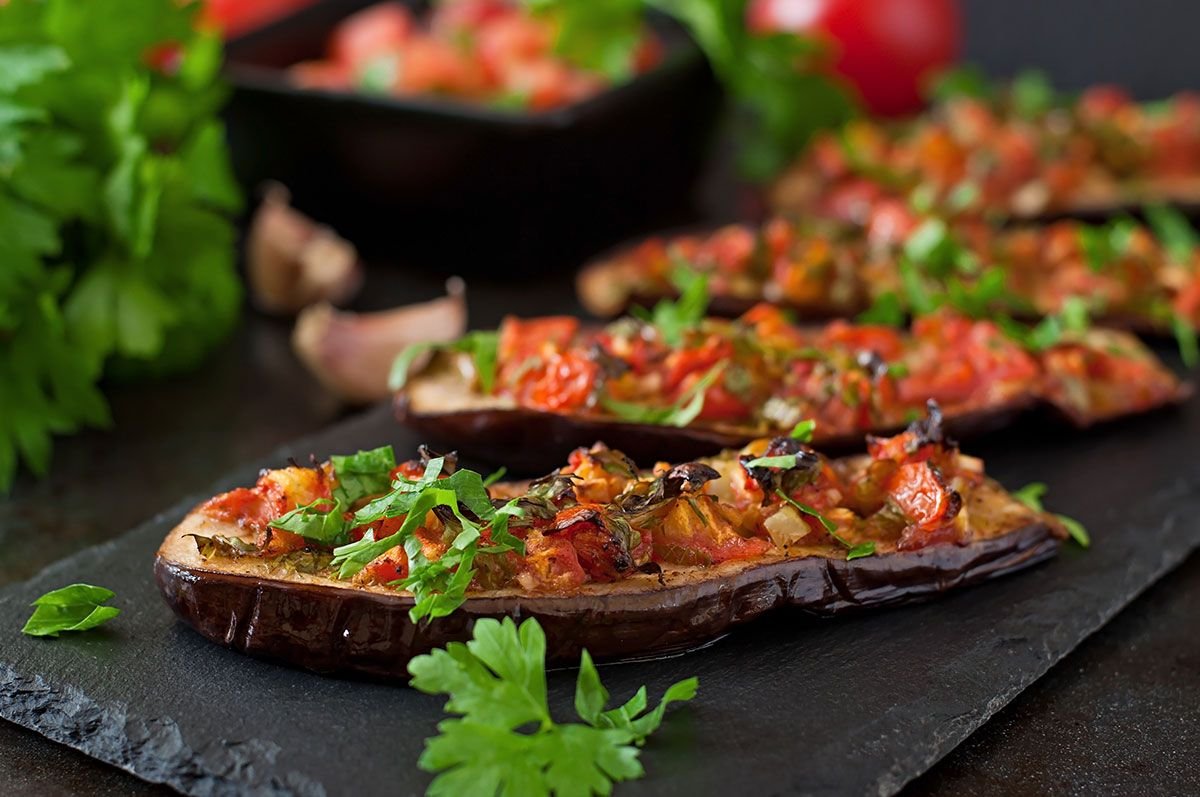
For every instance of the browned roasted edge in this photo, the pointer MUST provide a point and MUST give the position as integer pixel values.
(353, 631)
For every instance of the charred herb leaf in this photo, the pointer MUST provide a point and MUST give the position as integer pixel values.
(74, 608)
(505, 740)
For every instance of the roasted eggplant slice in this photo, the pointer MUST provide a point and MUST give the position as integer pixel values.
(554, 386)
(611, 559)
(1120, 272)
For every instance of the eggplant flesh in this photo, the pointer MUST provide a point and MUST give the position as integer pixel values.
(335, 627)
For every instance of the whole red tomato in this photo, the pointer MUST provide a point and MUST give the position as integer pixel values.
(885, 48)
(235, 17)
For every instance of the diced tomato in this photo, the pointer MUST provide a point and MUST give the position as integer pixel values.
(720, 404)
(920, 494)
(428, 65)
(391, 566)
(851, 200)
(884, 341)
(525, 337)
(378, 30)
(456, 17)
(684, 363)
(892, 221)
(601, 554)
(730, 248)
(551, 564)
(697, 530)
(563, 383)
(1099, 103)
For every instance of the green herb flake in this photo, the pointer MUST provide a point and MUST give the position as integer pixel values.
(852, 551)
(803, 431)
(1032, 95)
(505, 741)
(1031, 496)
(785, 461)
(886, 309)
(363, 474)
(685, 410)
(78, 607)
(1173, 231)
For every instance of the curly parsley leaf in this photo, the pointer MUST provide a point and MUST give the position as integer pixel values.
(74, 608)
(1031, 496)
(506, 741)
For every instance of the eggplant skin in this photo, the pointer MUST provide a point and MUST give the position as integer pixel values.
(349, 630)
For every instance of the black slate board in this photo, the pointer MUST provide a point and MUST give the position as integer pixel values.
(856, 705)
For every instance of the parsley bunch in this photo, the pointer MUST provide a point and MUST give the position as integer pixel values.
(116, 251)
(506, 742)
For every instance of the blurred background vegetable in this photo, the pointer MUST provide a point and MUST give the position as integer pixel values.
(116, 248)
(887, 50)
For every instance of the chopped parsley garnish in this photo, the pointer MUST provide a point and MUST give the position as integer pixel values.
(803, 431)
(1031, 496)
(363, 474)
(886, 309)
(852, 551)
(675, 318)
(74, 608)
(481, 345)
(1173, 231)
(438, 585)
(1031, 94)
(1103, 245)
(321, 522)
(785, 461)
(504, 739)
(685, 410)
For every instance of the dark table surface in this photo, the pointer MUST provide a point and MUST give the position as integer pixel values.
(1121, 713)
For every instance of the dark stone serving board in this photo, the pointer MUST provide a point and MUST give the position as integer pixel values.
(855, 705)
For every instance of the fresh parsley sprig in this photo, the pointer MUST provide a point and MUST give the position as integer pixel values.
(674, 318)
(505, 740)
(74, 608)
(116, 244)
(1031, 496)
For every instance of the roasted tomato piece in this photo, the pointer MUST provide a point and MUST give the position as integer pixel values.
(383, 570)
(602, 552)
(698, 530)
(563, 383)
(276, 493)
(378, 30)
(525, 337)
(602, 473)
(551, 564)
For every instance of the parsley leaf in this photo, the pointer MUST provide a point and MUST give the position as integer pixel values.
(886, 309)
(852, 551)
(1031, 94)
(966, 80)
(600, 37)
(1185, 337)
(363, 474)
(438, 585)
(74, 608)
(803, 431)
(482, 345)
(674, 318)
(321, 522)
(506, 741)
(1031, 496)
(115, 204)
(685, 410)
(1173, 230)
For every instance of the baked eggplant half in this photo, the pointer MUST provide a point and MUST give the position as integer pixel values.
(1122, 273)
(683, 387)
(1084, 157)
(359, 564)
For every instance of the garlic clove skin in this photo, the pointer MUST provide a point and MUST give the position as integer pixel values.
(351, 354)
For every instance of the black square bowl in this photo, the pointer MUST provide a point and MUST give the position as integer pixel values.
(454, 187)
